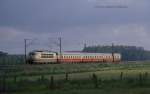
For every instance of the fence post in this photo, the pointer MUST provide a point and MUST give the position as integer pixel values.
(140, 79)
(3, 83)
(52, 82)
(95, 80)
(15, 79)
(42, 77)
(121, 76)
(146, 76)
(67, 76)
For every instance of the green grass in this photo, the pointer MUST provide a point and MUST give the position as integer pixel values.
(93, 91)
(128, 86)
(35, 79)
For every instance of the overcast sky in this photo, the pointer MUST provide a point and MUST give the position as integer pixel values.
(94, 22)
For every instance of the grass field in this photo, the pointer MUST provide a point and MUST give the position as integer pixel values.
(123, 78)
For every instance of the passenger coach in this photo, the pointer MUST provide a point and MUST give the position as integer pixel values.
(39, 57)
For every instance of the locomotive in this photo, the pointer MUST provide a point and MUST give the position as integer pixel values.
(43, 57)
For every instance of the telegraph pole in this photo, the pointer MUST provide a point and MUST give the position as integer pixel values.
(113, 52)
(25, 50)
(60, 49)
(85, 45)
(60, 46)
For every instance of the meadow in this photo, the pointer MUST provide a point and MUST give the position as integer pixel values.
(91, 78)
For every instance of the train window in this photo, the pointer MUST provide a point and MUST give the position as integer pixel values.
(47, 56)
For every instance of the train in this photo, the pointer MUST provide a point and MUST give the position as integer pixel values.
(44, 57)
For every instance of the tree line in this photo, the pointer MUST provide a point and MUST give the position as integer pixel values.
(129, 53)
(3, 53)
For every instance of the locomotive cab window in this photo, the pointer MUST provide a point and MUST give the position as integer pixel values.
(47, 56)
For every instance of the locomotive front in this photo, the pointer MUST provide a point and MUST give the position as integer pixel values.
(39, 57)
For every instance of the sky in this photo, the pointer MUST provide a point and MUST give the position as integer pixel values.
(94, 22)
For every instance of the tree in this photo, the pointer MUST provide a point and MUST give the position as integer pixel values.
(129, 53)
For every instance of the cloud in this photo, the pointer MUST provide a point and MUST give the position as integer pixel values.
(7, 33)
(73, 38)
(76, 21)
(50, 13)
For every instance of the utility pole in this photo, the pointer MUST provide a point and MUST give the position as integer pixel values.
(113, 52)
(60, 49)
(85, 45)
(25, 50)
